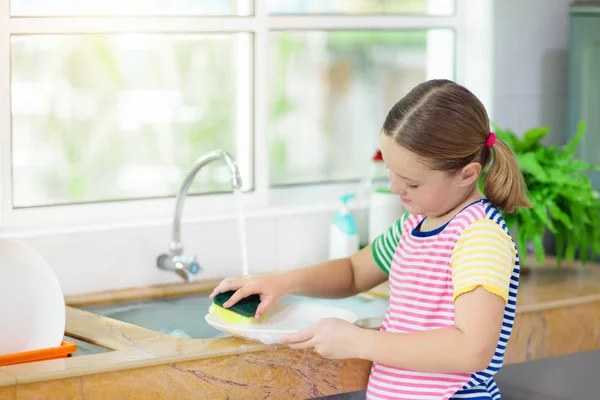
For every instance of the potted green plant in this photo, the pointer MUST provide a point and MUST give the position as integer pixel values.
(564, 201)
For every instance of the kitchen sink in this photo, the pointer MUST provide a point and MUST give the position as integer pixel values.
(85, 348)
(183, 316)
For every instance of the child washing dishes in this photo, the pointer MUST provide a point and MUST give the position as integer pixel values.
(452, 266)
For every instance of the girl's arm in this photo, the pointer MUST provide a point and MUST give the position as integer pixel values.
(467, 347)
(332, 279)
(347, 277)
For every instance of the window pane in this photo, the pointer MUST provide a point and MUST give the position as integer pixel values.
(130, 7)
(332, 90)
(432, 7)
(110, 117)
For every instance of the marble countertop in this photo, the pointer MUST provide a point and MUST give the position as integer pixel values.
(129, 346)
(132, 347)
(135, 347)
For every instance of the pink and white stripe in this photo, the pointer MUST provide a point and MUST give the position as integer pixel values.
(421, 291)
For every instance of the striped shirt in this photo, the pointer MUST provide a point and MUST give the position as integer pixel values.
(427, 272)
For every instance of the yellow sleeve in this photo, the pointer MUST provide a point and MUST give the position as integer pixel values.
(484, 256)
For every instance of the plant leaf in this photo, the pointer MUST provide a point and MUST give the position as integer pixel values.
(560, 178)
(558, 214)
(532, 138)
(564, 200)
(537, 241)
(571, 147)
(579, 165)
(510, 220)
(529, 164)
(570, 250)
(540, 210)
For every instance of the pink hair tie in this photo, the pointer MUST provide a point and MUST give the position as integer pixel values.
(491, 140)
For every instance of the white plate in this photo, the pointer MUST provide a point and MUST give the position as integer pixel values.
(32, 305)
(281, 321)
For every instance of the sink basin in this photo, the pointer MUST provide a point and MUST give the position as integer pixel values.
(183, 316)
(85, 348)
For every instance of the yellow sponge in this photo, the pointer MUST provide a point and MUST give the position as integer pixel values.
(230, 316)
(240, 313)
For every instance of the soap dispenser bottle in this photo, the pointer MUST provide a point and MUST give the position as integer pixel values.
(384, 207)
(343, 236)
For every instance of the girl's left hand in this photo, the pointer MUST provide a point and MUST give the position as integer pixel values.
(331, 338)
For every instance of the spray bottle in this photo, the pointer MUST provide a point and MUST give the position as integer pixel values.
(343, 236)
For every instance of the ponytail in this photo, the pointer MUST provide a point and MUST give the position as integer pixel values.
(503, 184)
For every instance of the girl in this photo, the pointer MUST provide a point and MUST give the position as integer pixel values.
(452, 266)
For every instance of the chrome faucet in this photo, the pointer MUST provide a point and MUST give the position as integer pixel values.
(186, 265)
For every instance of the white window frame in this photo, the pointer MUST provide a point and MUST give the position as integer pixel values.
(471, 23)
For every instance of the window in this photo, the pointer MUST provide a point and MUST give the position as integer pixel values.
(45, 8)
(101, 117)
(331, 91)
(364, 7)
(109, 103)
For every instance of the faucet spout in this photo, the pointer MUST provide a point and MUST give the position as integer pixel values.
(176, 261)
(236, 183)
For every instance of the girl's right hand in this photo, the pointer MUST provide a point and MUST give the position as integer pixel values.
(270, 288)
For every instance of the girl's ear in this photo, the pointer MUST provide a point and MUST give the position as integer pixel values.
(469, 174)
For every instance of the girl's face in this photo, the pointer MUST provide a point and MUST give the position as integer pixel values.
(424, 191)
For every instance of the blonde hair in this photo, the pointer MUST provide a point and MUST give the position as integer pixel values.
(448, 127)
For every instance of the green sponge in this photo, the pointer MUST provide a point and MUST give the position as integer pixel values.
(241, 312)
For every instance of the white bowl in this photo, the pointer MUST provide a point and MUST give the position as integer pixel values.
(32, 306)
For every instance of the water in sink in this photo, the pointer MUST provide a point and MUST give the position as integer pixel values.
(85, 348)
(184, 316)
(242, 231)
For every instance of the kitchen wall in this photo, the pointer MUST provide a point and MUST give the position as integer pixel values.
(89, 260)
(531, 45)
(529, 89)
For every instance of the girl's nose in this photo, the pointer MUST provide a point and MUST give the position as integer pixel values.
(398, 187)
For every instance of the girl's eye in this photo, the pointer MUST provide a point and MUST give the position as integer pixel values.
(413, 186)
